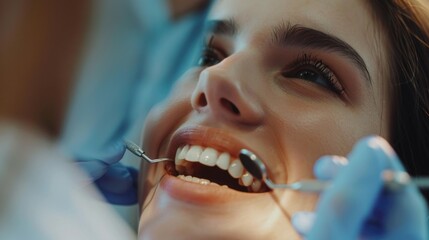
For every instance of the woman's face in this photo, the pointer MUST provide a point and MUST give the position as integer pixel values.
(290, 81)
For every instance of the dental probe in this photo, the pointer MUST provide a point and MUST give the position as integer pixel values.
(136, 150)
(254, 165)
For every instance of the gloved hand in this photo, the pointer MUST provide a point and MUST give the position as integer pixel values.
(116, 182)
(357, 206)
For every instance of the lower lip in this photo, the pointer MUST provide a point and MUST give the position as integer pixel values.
(197, 193)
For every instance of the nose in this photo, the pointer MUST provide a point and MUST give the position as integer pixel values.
(226, 98)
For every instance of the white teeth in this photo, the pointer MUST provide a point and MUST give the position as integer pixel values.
(236, 169)
(183, 152)
(194, 153)
(201, 181)
(208, 157)
(256, 185)
(205, 182)
(187, 154)
(179, 160)
(247, 179)
(223, 161)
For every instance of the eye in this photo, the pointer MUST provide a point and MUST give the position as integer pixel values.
(208, 58)
(314, 70)
(312, 76)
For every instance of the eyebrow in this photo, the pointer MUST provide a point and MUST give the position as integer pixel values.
(297, 35)
(227, 27)
(286, 34)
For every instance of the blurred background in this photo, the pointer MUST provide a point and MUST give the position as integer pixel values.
(86, 73)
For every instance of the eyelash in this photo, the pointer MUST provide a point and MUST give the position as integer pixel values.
(209, 55)
(307, 62)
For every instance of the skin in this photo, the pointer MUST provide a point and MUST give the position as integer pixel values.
(287, 121)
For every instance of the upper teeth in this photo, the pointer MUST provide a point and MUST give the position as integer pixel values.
(211, 157)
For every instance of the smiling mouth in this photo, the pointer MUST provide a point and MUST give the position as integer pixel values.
(208, 166)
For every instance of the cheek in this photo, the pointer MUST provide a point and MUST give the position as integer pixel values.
(160, 123)
(306, 134)
(149, 177)
(164, 117)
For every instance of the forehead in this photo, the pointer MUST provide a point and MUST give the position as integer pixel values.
(333, 16)
(349, 20)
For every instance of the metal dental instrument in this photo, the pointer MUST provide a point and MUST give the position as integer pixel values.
(254, 165)
(136, 150)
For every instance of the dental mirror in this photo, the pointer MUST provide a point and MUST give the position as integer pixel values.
(136, 150)
(393, 180)
(254, 165)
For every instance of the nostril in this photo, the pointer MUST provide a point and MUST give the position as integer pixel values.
(202, 101)
(229, 105)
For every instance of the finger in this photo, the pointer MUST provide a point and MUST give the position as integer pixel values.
(327, 167)
(117, 179)
(95, 169)
(112, 154)
(408, 217)
(303, 222)
(97, 165)
(344, 207)
(119, 185)
(407, 214)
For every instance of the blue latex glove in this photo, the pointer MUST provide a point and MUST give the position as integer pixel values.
(357, 206)
(116, 182)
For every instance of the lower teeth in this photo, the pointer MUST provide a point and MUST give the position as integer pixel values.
(201, 181)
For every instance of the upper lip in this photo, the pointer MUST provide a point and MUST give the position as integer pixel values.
(218, 139)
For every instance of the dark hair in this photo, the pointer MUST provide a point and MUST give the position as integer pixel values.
(405, 24)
